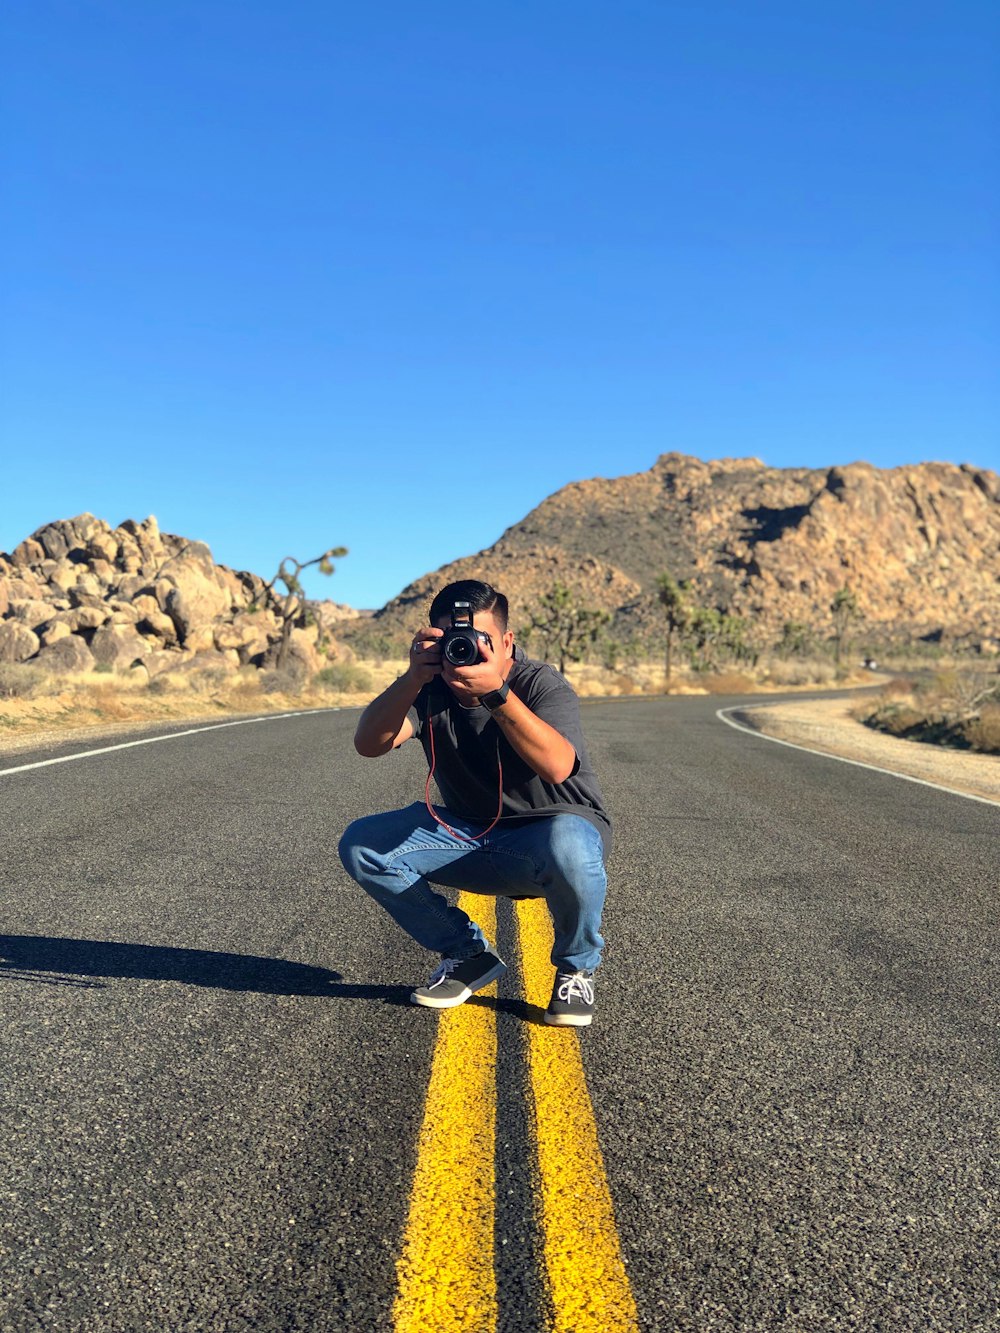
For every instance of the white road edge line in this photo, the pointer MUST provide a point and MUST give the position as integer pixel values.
(720, 713)
(170, 736)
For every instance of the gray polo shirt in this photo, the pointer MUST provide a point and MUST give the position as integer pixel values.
(466, 741)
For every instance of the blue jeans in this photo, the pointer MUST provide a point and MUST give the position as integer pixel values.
(396, 856)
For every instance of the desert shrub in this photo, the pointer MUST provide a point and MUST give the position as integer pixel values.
(345, 677)
(726, 682)
(623, 683)
(163, 684)
(800, 671)
(246, 682)
(897, 719)
(106, 701)
(19, 681)
(898, 687)
(284, 680)
(209, 678)
(983, 733)
(103, 669)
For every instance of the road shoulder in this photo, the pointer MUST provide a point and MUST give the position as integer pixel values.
(825, 725)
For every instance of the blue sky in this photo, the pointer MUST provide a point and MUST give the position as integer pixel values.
(387, 275)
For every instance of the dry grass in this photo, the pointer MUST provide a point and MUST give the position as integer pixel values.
(50, 706)
(34, 705)
(797, 672)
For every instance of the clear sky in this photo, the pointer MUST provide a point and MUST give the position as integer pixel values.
(386, 275)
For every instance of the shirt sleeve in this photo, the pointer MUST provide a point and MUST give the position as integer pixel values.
(552, 699)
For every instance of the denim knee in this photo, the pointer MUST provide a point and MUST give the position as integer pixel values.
(574, 848)
(351, 849)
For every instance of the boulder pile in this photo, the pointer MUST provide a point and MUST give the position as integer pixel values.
(78, 595)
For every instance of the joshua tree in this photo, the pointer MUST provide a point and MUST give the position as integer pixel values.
(564, 626)
(290, 606)
(715, 635)
(845, 609)
(796, 639)
(675, 599)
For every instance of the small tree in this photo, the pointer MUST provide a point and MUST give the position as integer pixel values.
(715, 636)
(675, 599)
(796, 639)
(290, 606)
(564, 627)
(845, 609)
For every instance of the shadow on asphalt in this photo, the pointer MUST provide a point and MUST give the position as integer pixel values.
(64, 962)
(52, 961)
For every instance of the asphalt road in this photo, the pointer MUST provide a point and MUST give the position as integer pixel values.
(213, 1083)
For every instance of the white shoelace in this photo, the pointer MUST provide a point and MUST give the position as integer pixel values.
(574, 985)
(443, 972)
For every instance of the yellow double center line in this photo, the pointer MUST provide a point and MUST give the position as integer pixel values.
(446, 1276)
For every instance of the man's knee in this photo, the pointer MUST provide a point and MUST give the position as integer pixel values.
(351, 846)
(574, 848)
(359, 844)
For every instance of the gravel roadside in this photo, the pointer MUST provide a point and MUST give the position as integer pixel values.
(826, 725)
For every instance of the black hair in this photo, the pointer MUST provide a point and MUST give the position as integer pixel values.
(480, 596)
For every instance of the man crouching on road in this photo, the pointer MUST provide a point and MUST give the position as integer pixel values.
(523, 813)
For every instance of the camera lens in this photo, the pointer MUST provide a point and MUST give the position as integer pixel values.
(461, 650)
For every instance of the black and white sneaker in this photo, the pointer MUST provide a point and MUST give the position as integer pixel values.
(572, 1003)
(457, 978)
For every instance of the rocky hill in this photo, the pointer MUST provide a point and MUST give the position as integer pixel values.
(79, 594)
(918, 545)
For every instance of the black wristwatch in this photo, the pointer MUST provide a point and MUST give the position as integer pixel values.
(496, 698)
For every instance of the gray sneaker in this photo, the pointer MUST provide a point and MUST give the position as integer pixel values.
(457, 978)
(572, 1003)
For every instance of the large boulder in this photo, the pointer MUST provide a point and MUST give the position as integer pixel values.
(69, 654)
(195, 600)
(103, 546)
(52, 632)
(300, 656)
(123, 613)
(25, 585)
(118, 646)
(151, 620)
(202, 671)
(30, 611)
(85, 617)
(17, 641)
(29, 552)
(247, 631)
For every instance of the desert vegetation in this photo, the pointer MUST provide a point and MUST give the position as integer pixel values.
(959, 706)
(33, 700)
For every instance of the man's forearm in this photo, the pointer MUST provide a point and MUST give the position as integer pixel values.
(546, 750)
(380, 722)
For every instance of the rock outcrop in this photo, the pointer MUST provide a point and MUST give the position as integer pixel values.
(919, 546)
(78, 594)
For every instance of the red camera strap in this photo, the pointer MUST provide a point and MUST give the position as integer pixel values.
(427, 789)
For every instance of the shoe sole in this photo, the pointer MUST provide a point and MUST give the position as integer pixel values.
(431, 1002)
(568, 1020)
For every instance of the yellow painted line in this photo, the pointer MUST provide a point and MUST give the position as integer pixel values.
(445, 1276)
(588, 1285)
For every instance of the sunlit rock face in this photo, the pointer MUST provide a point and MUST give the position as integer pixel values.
(919, 546)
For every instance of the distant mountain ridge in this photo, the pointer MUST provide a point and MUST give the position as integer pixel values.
(919, 546)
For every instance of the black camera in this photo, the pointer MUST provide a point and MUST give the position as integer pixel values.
(460, 645)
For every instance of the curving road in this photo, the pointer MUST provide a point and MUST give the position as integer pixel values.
(213, 1085)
